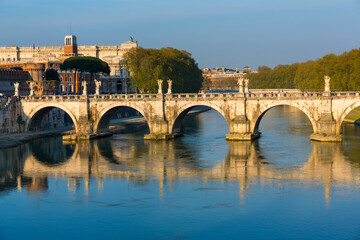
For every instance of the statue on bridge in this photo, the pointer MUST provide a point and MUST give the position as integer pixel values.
(327, 83)
(241, 84)
(169, 91)
(160, 86)
(16, 86)
(84, 85)
(246, 80)
(98, 85)
(31, 89)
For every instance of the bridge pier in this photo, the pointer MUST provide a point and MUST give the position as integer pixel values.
(240, 130)
(158, 129)
(326, 130)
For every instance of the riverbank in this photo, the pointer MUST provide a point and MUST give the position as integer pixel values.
(353, 117)
(14, 140)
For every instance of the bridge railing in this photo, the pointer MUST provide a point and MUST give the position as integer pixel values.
(274, 94)
(201, 95)
(348, 94)
(79, 97)
(123, 96)
(53, 97)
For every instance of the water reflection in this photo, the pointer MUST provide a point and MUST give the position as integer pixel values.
(51, 151)
(134, 160)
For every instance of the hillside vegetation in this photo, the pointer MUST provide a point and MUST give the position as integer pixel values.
(343, 69)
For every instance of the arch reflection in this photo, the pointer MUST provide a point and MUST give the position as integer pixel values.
(51, 151)
(139, 162)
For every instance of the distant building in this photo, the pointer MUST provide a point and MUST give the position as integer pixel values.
(246, 69)
(37, 59)
(71, 83)
(223, 78)
(7, 79)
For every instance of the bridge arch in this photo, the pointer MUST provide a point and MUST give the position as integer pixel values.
(180, 114)
(265, 109)
(344, 113)
(41, 110)
(102, 122)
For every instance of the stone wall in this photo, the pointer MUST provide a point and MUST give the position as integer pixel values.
(9, 112)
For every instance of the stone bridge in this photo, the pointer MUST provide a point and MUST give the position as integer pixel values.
(243, 111)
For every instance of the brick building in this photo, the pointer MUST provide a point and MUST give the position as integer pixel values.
(7, 79)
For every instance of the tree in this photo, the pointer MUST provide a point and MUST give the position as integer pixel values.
(146, 66)
(343, 69)
(51, 74)
(85, 64)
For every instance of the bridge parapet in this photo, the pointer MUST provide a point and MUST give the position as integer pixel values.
(345, 94)
(141, 97)
(47, 98)
(124, 96)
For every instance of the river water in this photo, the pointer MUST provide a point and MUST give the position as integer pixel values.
(282, 186)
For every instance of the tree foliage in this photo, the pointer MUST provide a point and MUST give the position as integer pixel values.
(146, 66)
(343, 69)
(86, 64)
(51, 74)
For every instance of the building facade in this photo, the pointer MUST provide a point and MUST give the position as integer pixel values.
(222, 78)
(113, 55)
(37, 59)
(10, 76)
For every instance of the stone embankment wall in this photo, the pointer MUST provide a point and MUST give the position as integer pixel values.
(8, 116)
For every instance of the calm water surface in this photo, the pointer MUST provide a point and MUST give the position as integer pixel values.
(282, 186)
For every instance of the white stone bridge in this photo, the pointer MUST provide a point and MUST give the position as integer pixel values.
(243, 111)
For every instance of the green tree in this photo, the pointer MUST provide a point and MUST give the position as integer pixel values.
(85, 64)
(51, 74)
(146, 66)
(343, 69)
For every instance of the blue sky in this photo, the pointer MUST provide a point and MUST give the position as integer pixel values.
(218, 33)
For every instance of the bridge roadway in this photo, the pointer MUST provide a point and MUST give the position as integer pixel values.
(91, 114)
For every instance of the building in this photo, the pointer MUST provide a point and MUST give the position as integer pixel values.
(223, 78)
(113, 55)
(37, 59)
(70, 82)
(7, 79)
(246, 69)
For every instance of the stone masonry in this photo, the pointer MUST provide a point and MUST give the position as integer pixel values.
(243, 111)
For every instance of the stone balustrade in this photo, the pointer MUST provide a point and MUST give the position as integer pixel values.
(190, 96)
